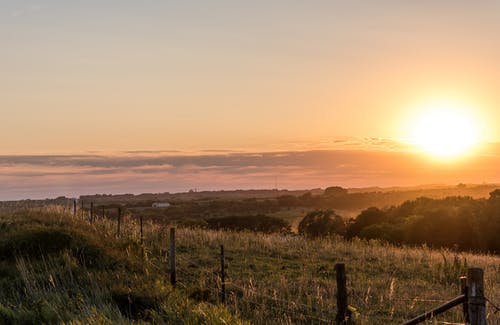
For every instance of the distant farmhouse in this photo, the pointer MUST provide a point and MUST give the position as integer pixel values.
(161, 205)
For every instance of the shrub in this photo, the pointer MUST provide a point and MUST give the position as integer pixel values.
(322, 223)
(368, 217)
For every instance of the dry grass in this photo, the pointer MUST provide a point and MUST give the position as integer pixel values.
(288, 279)
(58, 269)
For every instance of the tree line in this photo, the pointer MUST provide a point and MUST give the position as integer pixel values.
(461, 223)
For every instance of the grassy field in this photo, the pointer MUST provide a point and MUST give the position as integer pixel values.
(57, 268)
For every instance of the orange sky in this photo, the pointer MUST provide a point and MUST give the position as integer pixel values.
(38, 176)
(84, 75)
(93, 77)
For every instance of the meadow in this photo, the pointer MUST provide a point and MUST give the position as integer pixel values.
(59, 268)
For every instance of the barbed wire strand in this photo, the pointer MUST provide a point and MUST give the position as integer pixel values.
(275, 299)
(497, 309)
(420, 300)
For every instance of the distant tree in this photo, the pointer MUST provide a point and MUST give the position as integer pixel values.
(385, 231)
(335, 191)
(490, 222)
(495, 195)
(287, 200)
(368, 217)
(322, 223)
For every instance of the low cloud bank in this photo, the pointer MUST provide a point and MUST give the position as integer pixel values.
(41, 176)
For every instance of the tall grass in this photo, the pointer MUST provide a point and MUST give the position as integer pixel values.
(290, 279)
(270, 278)
(58, 269)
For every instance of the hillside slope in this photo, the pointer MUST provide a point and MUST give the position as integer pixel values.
(57, 268)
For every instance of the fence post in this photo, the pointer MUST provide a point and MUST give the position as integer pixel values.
(140, 225)
(475, 296)
(465, 306)
(119, 224)
(91, 212)
(172, 257)
(74, 208)
(222, 276)
(83, 212)
(102, 215)
(342, 311)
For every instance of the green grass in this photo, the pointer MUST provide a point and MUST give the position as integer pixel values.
(93, 277)
(292, 279)
(56, 269)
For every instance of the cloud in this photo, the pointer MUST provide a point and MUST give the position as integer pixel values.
(40, 176)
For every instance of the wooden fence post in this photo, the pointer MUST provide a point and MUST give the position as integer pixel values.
(74, 208)
(475, 296)
(102, 214)
(463, 290)
(83, 212)
(342, 311)
(222, 276)
(119, 222)
(172, 257)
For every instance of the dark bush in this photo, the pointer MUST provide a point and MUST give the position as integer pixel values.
(322, 223)
(335, 191)
(384, 231)
(38, 241)
(35, 242)
(368, 217)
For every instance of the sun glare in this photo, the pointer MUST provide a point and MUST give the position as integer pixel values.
(445, 131)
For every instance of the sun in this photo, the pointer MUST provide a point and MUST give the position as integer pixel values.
(445, 131)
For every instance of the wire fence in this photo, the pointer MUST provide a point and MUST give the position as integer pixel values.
(208, 273)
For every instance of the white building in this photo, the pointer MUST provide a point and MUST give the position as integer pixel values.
(161, 205)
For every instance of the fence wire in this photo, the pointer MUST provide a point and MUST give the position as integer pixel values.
(285, 304)
(497, 309)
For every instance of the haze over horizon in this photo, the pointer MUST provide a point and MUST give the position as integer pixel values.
(137, 95)
(43, 176)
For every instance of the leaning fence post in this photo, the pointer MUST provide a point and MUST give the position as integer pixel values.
(119, 222)
(342, 311)
(222, 276)
(172, 257)
(475, 296)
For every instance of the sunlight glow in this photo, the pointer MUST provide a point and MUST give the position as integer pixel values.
(445, 130)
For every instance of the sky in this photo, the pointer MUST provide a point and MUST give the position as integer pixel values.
(114, 78)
